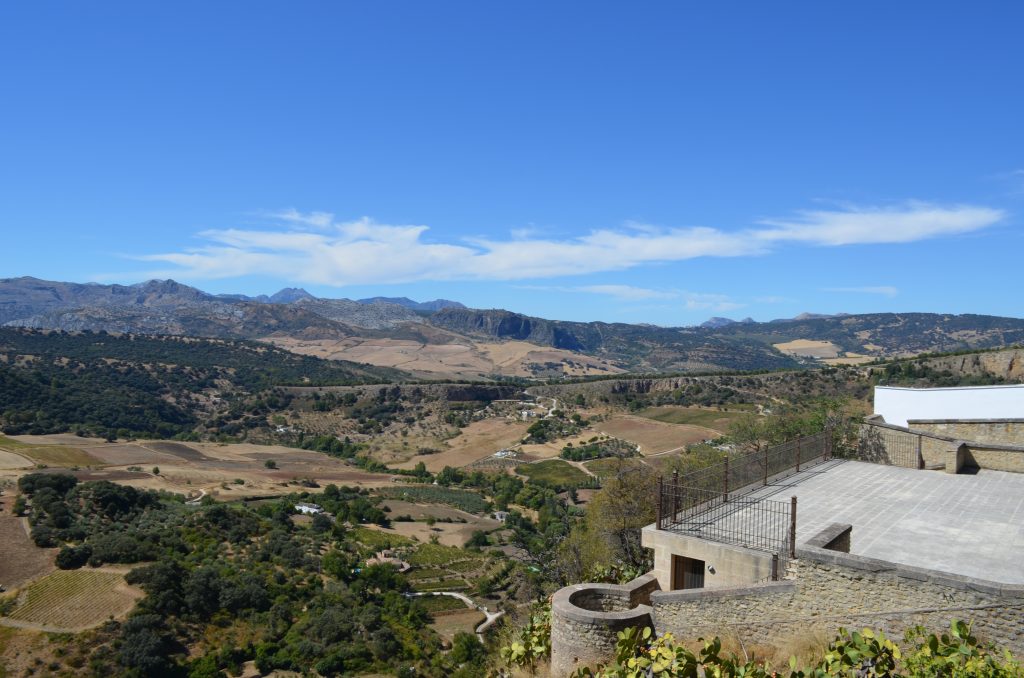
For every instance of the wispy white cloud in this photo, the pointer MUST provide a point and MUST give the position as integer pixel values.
(314, 248)
(907, 222)
(884, 290)
(628, 292)
(697, 301)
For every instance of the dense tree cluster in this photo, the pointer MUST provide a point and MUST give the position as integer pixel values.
(146, 386)
(297, 596)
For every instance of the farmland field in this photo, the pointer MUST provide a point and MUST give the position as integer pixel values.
(554, 472)
(471, 502)
(75, 599)
(654, 437)
(479, 439)
(693, 416)
(610, 467)
(447, 624)
(52, 455)
(22, 560)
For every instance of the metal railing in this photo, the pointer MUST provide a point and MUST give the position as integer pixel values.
(715, 502)
(893, 447)
(743, 474)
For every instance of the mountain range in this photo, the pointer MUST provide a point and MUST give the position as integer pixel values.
(444, 339)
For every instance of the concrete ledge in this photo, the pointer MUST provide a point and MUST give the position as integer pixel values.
(683, 595)
(937, 577)
(835, 537)
(965, 421)
(634, 597)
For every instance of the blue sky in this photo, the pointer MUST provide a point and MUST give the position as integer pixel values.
(653, 162)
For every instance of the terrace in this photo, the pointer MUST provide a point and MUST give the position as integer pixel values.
(759, 508)
(964, 524)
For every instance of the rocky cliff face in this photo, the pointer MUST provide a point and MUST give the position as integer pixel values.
(1008, 364)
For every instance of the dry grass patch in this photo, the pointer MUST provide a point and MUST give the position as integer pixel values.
(810, 348)
(716, 420)
(478, 440)
(654, 437)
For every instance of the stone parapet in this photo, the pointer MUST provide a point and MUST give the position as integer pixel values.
(831, 588)
(586, 620)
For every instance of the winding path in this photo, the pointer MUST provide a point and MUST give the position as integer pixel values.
(491, 617)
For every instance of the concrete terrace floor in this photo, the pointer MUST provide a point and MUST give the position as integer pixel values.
(964, 524)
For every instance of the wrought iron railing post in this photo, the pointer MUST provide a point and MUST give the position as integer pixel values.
(775, 567)
(661, 498)
(920, 456)
(766, 466)
(798, 455)
(725, 481)
(675, 490)
(792, 528)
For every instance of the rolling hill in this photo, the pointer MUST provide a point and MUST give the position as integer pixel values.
(444, 339)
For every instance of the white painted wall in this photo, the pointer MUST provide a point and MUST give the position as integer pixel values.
(897, 405)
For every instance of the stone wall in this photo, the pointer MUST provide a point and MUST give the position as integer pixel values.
(830, 589)
(586, 619)
(997, 431)
(886, 443)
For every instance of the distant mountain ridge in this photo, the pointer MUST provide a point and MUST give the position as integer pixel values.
(435, 305)
(404, 328)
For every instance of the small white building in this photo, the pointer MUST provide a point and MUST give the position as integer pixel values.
(898, 405)
(309, 509)
(500, 516)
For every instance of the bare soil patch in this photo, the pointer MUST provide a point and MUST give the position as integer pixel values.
(448, 534)
(478, 440)
(654, 437)
(810, 348)
(452, 357)
(22, 560)
(10, 460)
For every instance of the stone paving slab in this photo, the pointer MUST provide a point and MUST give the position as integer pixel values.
(964, 524)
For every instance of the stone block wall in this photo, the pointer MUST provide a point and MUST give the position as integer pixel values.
(995, 431)
(995, 444)
(995, 457)
(832, 589)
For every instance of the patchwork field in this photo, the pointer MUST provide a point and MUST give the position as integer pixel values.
(74, 600)
(810, 348)
(449, 356)
(193, 468)
(716, 420)
(478, 440)
(554, 472)
(49, 455)
(654, 437)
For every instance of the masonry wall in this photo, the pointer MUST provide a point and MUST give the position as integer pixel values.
(885, 443)
(835, 589)
(997, 431)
